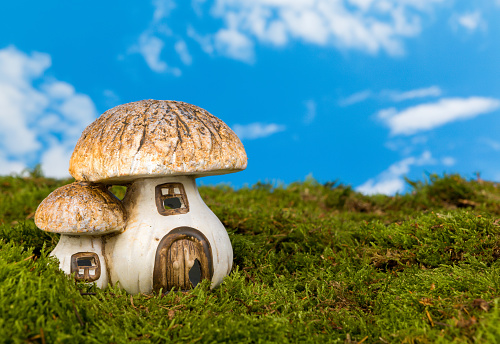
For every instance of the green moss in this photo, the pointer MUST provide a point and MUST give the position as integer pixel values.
(312, 263)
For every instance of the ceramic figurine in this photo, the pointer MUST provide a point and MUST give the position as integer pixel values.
(162, 235)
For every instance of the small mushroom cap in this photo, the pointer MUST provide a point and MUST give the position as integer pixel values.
(82, 209)
(152, 138)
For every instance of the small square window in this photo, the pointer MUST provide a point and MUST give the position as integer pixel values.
(171, 199)
(86, 266)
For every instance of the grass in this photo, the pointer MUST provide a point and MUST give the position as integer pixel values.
(312, 263)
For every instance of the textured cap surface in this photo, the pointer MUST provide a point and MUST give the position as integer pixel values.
(81, 208)
(151, 138)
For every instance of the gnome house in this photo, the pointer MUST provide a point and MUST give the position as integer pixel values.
(161, 236)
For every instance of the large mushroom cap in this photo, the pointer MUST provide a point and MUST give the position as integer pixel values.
(151, 138)
(81, 208)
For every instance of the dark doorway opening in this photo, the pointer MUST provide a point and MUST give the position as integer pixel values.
(195, 273)
(183, 259)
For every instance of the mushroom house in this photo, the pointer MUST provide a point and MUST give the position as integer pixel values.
(161, 236)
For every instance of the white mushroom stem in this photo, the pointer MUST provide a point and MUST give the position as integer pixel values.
(68, 245)
(133, 251)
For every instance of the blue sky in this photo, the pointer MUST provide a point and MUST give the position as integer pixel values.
(361, 91)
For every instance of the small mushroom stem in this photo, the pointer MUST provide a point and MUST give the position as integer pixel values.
(70, 246)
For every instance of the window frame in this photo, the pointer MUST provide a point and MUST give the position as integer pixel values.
(86, 276)
(160, 198)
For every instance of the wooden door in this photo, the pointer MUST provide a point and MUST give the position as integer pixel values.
(183, 259)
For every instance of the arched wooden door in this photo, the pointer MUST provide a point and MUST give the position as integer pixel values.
(183, 259)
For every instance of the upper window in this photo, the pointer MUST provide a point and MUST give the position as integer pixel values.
(171, 199)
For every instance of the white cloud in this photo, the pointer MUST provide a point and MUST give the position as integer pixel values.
(151, 42)
(391, 181)
(10, 166)
(163, 8)
(257, 130)
(150, 47)
(205, 41)
(433, 91)
(471, 21)
(392, 95)
(356, 98)
(16, 68)
(432, 115)
(182, 49)
(307, 24)
(310, 111)
(389, 186)
(493, 144)
(367, 25)
(55, 160)
(370, 26)
(448, 161)
(234, 44)
(16, 136)
(76, 108)
(58, 89)
(37, 114)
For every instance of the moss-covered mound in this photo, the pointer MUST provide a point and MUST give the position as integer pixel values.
(313, 263)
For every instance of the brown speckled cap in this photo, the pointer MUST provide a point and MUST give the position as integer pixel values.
(81, 208)
(152, 138)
